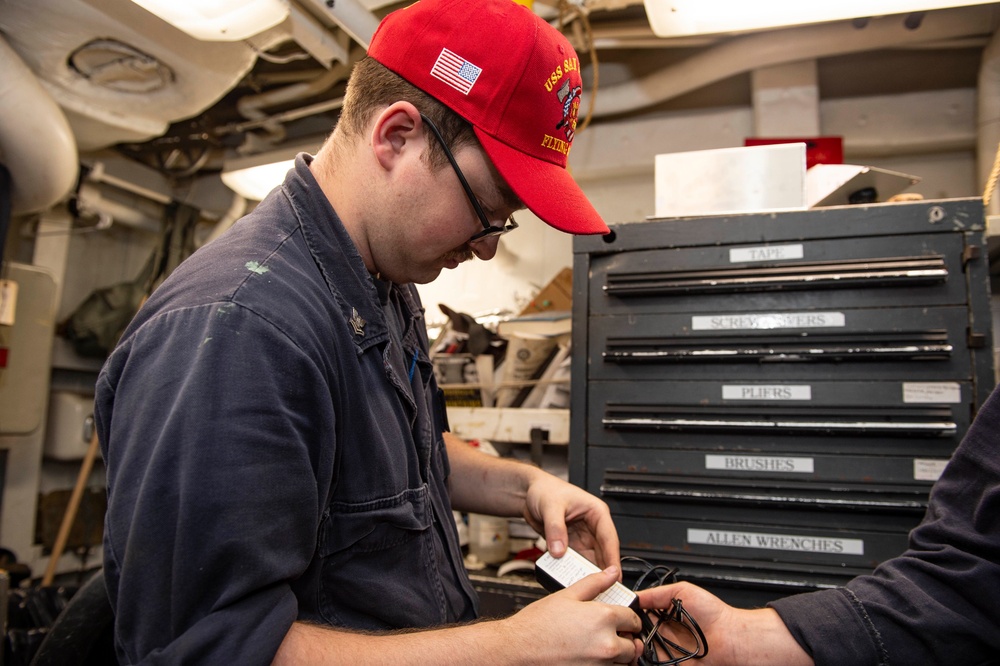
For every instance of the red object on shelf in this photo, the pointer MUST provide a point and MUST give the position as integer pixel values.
(819, 149)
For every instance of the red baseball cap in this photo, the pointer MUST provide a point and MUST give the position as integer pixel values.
(515, 78)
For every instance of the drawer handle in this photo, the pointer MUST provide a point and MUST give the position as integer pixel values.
(929, 345)
(906, 271)
(819, 426)
(775, 497)
(780, 354)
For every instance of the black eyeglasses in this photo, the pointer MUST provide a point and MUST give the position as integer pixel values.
(671, 636)
(489, 230)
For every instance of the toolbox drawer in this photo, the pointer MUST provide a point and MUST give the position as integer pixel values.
(753, 501)
(879, 471)
(850, 343)
(922, 418)
(739, 582)
(760, 543)
(812, 273)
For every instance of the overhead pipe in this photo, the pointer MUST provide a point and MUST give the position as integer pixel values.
(252, 106)
(743, 54)
(122, 207)
(36, 142)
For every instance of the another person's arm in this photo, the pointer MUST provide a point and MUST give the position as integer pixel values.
(734, 635)
(937, 603)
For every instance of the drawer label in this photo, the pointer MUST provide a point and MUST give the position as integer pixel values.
(741, 463)
(928, 469)
(739, 255)
(767, 392)
(767, 321)
(924, 392)
(789, 542)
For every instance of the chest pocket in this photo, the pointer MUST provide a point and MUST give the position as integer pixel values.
(376, 525)
(381, 564)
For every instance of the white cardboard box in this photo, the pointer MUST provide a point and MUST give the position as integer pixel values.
(746, 179)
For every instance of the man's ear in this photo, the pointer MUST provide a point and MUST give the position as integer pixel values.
(397, 131)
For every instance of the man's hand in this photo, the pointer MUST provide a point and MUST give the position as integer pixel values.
(568, 515)
(561, 512)
(568, 627)
(733, 635)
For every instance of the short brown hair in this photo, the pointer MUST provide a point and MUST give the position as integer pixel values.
(372, 87)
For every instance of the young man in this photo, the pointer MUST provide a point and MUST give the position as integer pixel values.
(937, 603)
(279, 486)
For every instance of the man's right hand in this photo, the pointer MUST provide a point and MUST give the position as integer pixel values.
(569, 627)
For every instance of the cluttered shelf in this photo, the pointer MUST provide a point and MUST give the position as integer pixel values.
(521, 395)
(509, 380)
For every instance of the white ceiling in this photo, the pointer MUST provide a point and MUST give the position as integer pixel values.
(129, 82)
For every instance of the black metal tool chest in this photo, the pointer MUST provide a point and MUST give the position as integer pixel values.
(766, 399)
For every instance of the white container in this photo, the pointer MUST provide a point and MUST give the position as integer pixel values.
(489, 538)
(735, 180)
(67, 436)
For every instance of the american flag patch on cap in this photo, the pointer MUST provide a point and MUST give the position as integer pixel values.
(456, 71)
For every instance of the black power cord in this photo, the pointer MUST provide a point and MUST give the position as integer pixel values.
(659, 650)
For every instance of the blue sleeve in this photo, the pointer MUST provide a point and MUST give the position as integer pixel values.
(213, 449)
(937, 603)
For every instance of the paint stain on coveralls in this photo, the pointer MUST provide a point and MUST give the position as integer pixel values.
(257, 268)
